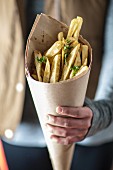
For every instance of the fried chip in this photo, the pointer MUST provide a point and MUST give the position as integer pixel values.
(55, 71)
(77, 65)
(70, 61)
(38, 64)
(65, 59)
(85, 62)
(82, 70)
(62, 58)
(74, 44)
(60, 36)
(35, 76)
(70, 40)
(78, 60)
(84, 53)
(46, 76)
(54, 49)
(79, 25)
(72, 27)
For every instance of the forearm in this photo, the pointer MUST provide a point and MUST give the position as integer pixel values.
(103, 106)
(102, 114)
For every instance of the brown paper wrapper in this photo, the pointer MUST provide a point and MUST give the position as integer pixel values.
(48, 96)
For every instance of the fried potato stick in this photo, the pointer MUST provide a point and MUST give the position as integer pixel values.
(70, 40)
(70, 60)
(62, 58)
(79, 25)
(72, 27)
(54, 49)
(46, 76)
(60, 36)
(38, 64)
(84, 54)
(55, 71)
(74, 44)
(77, 65)
(35, 76)
(85, 62)
(67, 57)
(82, 70)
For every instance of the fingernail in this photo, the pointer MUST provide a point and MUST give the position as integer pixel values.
(59, 109)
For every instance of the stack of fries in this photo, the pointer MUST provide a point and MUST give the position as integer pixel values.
(65, 59)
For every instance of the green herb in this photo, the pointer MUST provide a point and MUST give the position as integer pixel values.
(67, 52)
(68, 41)
(65, 58)
(75, 69)
(42, 59)
(67, 47)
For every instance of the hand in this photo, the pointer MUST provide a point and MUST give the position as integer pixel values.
(71, 129)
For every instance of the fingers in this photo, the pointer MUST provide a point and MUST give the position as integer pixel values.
(71, 128)
(66, 141)
(76, 112)
(65, 132)
(68, 122)
(66, 136)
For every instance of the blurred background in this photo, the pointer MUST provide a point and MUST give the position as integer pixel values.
(21, 134)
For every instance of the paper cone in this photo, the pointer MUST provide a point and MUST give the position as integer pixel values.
(48, 96)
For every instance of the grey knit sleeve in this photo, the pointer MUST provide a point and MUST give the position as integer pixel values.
(102, 114)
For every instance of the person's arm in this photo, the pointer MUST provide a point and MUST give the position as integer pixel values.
(103, 114)
(80, 121)
(95, 115)
(103, 104)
